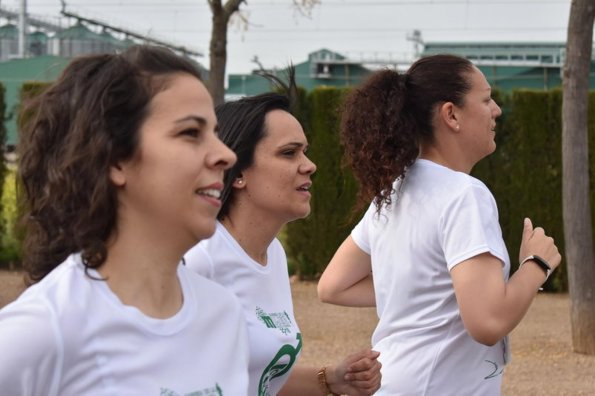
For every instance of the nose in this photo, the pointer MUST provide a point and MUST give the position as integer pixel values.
(498, 110)
(307, 167)
(221, 156)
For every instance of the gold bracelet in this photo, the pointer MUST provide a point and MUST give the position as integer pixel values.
(321, 375)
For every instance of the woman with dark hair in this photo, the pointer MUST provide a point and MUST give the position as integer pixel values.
(121, 172)
(429, 252)
(267, 188)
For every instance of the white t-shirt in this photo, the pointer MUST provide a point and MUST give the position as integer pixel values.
(438, 219)
(70, 335)
(265, 294)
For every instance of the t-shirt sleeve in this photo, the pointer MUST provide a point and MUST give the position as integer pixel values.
(198, 260)
(31, 350)
(469, 226)
(361, 232)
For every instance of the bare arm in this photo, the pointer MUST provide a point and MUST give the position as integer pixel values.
(358, 374)
(489, 306)
(347, 279)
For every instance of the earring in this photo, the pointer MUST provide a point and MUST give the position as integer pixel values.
(458, 127)
(240, 181)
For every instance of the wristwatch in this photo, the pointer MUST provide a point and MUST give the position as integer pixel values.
(541, 263)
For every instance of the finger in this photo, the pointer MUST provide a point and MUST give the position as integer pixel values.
(366, 386)
(372, 371)
(361, 365)
(538, 231)
(527, 229)
(362, 360)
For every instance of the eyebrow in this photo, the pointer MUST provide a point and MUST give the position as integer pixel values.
(293, 145)
(199, 120)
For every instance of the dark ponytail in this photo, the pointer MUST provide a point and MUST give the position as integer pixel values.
(379, 139)
(385, 119)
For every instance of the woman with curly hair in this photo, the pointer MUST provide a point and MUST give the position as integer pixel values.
(429, 252)
(121, 172)
(267, 188)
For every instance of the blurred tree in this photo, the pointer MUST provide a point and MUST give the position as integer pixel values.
(575, 176)
(221, 12)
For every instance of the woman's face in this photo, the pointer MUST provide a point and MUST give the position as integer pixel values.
(478, 117)
(171, 186)
(278, 181)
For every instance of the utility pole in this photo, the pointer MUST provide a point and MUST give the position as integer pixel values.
(22, 29)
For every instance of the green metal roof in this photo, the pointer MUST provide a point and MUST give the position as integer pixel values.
(9, 31)
(14, 73)
(38, 37)
(79, 32)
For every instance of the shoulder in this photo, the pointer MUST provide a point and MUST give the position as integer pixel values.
(276, 248)
(30, 317)
(449, 185)
(207, 289)
(199, 260)
(428, 174)
(31, 345)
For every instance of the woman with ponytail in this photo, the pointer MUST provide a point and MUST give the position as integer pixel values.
(429, 252)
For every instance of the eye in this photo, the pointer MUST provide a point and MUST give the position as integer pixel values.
(192, 132)
(288, 153)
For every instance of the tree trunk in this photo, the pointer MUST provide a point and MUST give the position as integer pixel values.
(575, 173)
(218, 46)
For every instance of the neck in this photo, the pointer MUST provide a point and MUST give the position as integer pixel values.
(142, 272)
(253, 233)
(446, 155)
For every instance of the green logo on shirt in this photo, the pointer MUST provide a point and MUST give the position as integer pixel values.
(276, 368)
(213, 391)
(277, 320)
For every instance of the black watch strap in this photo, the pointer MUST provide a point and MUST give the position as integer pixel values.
(541, 263)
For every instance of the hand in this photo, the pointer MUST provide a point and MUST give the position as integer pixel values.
(357, 375)
(535, 242)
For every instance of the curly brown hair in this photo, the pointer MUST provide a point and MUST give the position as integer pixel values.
(84, 123)
(384, 120)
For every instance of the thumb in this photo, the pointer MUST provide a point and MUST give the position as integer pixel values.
(527, 228)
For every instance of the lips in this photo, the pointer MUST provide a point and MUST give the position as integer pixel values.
(210, 192)
(305, 187)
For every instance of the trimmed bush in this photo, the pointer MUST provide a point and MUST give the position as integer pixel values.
(29, 89)
(10, 242)
(312, 242)
(3, 168)
(524, 173)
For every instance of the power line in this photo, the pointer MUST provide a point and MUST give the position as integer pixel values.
(253, 4)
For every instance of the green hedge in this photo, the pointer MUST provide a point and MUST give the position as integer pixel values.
(525, 173)
(29, 89)
(10, 241)
(3, 167)
(311, 242)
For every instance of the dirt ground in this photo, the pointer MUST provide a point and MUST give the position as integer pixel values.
(542, 359)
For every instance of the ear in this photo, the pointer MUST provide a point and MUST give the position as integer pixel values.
(117, 175)
(448, 114)
(239, 182)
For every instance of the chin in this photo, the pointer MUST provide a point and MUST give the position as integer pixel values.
(299, 215)
(304, 214)
(206, 231)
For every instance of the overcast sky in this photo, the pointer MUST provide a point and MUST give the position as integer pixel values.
(278, 34)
